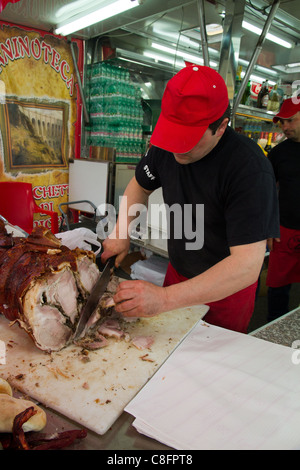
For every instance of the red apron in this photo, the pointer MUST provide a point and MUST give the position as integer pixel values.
(233, 312)
(284, 260)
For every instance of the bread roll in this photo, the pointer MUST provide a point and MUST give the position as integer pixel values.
(10, 407)
(5, 387)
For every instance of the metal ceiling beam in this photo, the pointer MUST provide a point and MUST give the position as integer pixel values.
(230, 46)
(203, 33)
(86, 114)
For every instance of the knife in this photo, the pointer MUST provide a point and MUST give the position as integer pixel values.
(94, 297)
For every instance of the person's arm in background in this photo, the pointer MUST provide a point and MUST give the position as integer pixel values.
(118, 242)
(270, 241)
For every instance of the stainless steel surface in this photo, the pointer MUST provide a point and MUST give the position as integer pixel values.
(94, 298)
(231, 42)
(124, 173)
(121, 435)
(85, 113)
(203, 33)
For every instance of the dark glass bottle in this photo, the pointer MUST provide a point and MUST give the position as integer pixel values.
(246, 95)
(263, 96)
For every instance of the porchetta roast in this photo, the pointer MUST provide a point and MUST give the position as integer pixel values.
(44, 285)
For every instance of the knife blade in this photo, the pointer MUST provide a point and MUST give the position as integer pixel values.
(94, 297)
(16, 227)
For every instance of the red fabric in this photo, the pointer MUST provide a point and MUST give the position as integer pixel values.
(288, 109)
(3, 3)
(233, 312)
(284, 260)
(194, 98)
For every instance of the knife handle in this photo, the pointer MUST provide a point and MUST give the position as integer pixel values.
(110, 260)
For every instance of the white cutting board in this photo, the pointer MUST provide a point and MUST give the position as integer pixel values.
(93, 390)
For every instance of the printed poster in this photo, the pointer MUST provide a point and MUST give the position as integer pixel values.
(38, 113)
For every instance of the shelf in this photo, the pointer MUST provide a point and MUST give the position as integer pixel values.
(255, 113)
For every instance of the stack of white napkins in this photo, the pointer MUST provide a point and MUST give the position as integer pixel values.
(222, 390)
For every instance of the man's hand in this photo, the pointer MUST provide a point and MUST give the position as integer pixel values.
(139, 299)
(113, 246)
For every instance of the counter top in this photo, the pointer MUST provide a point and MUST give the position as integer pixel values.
(284, 330)
(123, 436)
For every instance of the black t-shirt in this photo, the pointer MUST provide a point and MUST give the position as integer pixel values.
(235, 183)
(285, 158)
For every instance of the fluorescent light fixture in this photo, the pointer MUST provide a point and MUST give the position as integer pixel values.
(142, 59)
(163, 58)
(213, 29)
(271, 37)
(184, 55)
(106, 11)
(287, 68)
(258, 79)
(194, 33)
(279, 41)
(258, 68)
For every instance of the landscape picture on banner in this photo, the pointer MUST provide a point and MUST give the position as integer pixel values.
(36, 134)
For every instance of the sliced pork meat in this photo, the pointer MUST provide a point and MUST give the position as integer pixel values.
(88, 272)
(96, 341)
(142, 342)
(50, 306)
(111, 328)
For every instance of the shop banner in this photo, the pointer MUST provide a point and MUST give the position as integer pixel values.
(38, 113)
(3, 3)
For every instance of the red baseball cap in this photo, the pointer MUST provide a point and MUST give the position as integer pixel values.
(289, 108)
(194, 98)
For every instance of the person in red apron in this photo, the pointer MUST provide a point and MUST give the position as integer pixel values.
(284, 261)
(220, 196)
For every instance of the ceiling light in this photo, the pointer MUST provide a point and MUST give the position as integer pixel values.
(141, 60)
(163, 58)
(213, 29)
(287, 69)
(271, 37)
(109, 9)
(184, 55)
(258, 79)
(195, 33)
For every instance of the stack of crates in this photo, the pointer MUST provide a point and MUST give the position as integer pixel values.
(115, 111)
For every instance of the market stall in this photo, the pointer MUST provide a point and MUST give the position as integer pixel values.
(78, 107)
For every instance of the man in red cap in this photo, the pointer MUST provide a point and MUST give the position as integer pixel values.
(199, 161)
(284, 261)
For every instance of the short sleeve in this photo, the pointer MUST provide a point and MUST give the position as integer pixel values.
(146, 172)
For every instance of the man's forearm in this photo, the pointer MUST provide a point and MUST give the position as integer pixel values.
(232, 274)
